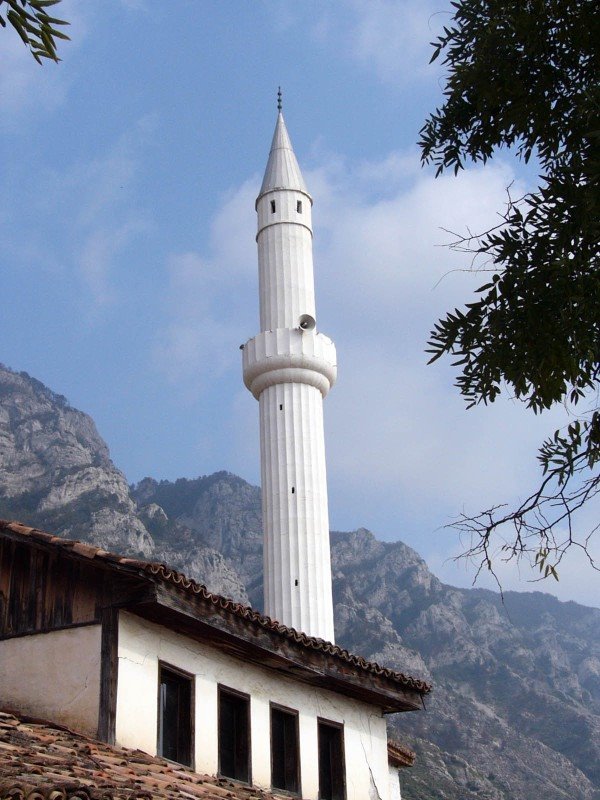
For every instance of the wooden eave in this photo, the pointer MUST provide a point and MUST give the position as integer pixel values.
(229, 633)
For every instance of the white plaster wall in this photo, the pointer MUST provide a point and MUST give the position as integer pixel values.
(55, 676)
(143, 644)
(395, 783)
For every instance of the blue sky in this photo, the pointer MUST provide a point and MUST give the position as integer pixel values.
(129, 265)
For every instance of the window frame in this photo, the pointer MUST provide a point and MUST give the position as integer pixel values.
(292, 712)
(228, 690)
(329, 723)
(190, 677)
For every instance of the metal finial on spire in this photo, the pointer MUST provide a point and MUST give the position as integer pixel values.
(279, 96)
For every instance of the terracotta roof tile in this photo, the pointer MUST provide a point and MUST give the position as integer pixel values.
(165, 574)
(33, 767)
(399, 755)
(311, 642)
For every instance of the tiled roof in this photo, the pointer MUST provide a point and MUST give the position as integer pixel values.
(165, 574)
(41, 761)
(399, 755)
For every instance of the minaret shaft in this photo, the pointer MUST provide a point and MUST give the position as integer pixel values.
(294, 500)
(289, 368)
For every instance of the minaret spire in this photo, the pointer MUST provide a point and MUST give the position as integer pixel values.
(279, 99)
(289, 367)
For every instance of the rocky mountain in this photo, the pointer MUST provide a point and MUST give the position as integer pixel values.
(55, 468)
(515, 711)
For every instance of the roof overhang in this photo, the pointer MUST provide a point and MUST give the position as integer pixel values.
(161, 595)
(231, 634)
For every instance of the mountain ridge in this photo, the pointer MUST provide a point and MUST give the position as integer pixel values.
(515, 711)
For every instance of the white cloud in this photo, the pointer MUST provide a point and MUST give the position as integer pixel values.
(87, 213)
(101, 212)
(207, 310)
(387, 37)
(398, 432)
(97, 254)
(400, 444)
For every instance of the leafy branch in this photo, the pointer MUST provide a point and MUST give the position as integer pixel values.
(37, 29)
(524, 74)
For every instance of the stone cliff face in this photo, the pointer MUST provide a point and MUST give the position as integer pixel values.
(55, 470)
(56, 473)
(515, 712)
(221, 513)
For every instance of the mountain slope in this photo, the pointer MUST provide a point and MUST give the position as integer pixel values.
(516, 706)
(56, 473)
(515, 712)
(55, 469)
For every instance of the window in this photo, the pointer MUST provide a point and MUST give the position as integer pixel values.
(234, 735)
(175, 715)
(299, 206)
(332, 783)
(272, 206)
(285, 762)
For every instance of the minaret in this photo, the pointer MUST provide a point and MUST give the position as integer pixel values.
(289, 367)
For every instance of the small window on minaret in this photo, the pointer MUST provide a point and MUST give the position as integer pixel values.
(293, 490)
(281, 407)
(299, 206)
(272, 206)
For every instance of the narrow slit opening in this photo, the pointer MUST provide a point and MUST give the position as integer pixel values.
(272, 206)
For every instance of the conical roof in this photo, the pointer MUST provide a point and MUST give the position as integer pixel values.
(282, 170)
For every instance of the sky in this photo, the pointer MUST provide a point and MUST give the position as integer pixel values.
(129, 268)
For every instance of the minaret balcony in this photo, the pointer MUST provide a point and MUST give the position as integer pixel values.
(289, 355)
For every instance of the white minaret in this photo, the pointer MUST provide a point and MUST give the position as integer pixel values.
(289, 368)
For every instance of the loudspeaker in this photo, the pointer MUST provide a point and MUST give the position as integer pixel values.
(306, 323)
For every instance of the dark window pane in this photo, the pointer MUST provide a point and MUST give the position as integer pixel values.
(284, 753)
(331, 763)
(234, 750)
(175, 717)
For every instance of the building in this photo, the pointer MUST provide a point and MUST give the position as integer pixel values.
(138, 656)
(130, 652)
